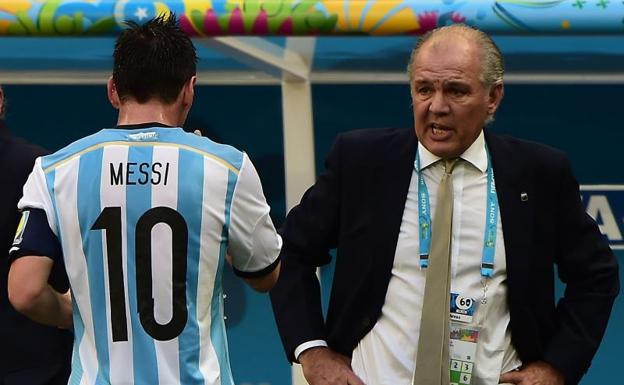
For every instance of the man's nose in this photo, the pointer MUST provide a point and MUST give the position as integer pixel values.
(439, 105)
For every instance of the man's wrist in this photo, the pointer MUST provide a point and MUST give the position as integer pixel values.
(308, 345)
(553, 370)
(311, 353)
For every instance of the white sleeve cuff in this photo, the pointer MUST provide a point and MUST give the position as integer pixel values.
(309, 345)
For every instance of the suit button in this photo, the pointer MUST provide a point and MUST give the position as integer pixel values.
(366, 322)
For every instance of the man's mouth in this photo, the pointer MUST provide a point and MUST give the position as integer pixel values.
(439, 130)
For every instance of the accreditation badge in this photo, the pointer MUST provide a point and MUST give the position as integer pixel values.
(464, 337)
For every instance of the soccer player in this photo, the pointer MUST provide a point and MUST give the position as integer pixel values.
(143, 216)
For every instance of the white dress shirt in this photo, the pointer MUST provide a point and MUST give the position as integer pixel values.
(387, 354)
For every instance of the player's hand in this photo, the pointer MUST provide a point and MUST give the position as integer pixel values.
(535, 373)
(323, 366)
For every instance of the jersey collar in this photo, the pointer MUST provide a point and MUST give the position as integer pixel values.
(142, 125)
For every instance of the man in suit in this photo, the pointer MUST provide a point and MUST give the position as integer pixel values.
(30, 353)
(372, 204)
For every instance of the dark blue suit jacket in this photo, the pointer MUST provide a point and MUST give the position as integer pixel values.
(356, 206)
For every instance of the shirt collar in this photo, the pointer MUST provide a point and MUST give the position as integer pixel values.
(475, 155)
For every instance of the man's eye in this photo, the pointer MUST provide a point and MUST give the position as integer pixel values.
(424, 90)
(458, 92)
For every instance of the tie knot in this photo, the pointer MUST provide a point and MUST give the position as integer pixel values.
(449, 165)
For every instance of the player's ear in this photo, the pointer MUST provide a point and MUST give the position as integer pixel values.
(189, 91)
(113, 97)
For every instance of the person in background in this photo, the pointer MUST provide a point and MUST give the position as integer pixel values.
(30, 353)
(447, 238)
(143, 216)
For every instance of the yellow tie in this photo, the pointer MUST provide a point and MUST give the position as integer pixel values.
(432, 361)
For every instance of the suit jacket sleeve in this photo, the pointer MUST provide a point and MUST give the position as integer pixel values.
(590, 271)
(309, 232)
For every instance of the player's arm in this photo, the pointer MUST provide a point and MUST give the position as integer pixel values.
(254, 244)
(265, 282)
(35, 263)
(31, 295)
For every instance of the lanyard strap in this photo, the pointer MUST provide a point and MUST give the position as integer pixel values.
(491, 220)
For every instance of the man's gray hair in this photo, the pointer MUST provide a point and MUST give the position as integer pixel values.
(493, 67)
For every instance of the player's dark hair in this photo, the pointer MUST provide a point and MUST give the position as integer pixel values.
(153, 60)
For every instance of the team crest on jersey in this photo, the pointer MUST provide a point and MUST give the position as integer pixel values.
(19, 234)
(143, 136)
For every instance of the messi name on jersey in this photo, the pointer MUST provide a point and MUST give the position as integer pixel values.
(132, 173)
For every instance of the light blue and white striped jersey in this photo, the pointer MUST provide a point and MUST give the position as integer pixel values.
(145, 218)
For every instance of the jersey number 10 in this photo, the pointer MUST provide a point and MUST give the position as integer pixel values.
(110, 220)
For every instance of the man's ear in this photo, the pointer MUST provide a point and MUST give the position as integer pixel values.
(495, 97)
(189, 91)
(113, 97)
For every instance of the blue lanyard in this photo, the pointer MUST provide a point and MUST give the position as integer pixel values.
(491, 221)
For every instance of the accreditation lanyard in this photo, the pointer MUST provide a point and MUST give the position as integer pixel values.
(491, 221)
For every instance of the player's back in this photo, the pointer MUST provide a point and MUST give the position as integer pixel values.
(143, 217)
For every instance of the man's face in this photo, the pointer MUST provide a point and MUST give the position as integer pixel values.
(450, 102)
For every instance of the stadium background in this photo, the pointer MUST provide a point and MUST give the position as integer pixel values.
(562, 91)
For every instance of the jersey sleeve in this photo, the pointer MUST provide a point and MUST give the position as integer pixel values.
(254, 245)
(37, 196)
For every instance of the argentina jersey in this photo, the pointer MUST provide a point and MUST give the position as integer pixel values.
(145, 217)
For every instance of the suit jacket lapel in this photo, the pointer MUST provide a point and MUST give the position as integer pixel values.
(390, 186)
(512, 181)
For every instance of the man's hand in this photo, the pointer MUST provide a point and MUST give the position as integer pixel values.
(323, 366)
(535, 373)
